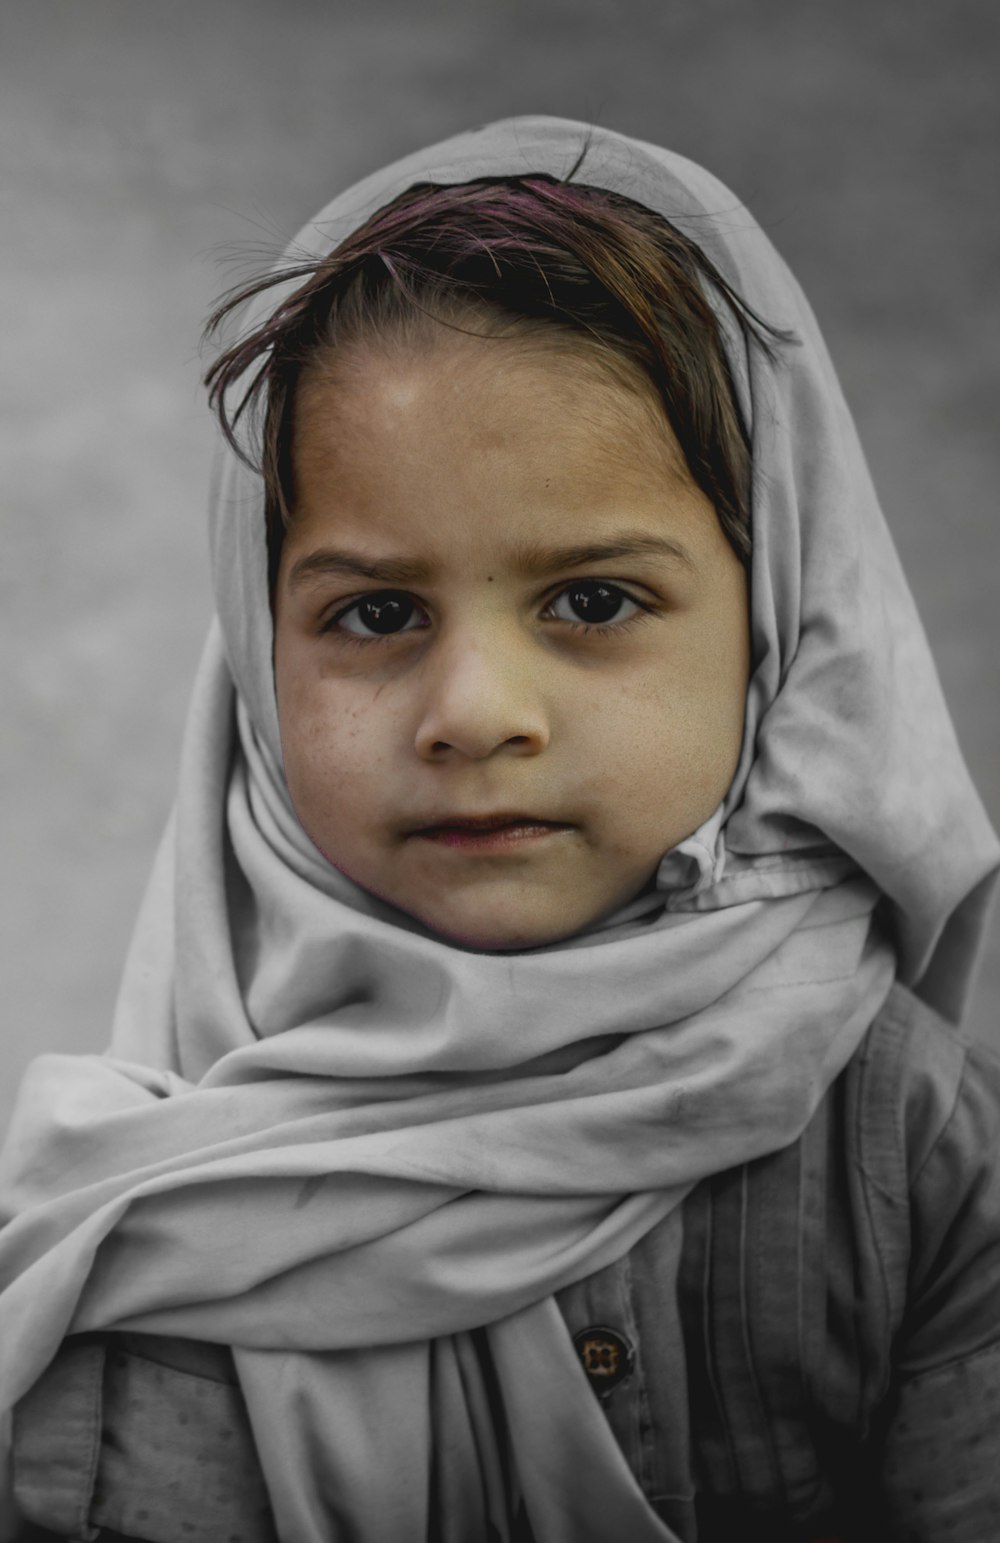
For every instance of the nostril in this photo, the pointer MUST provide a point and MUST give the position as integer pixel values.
(477, 738)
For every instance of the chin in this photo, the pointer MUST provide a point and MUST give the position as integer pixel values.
(491, 940)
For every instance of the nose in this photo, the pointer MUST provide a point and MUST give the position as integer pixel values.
(479, 697)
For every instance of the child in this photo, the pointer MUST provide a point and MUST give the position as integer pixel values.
(549, 986)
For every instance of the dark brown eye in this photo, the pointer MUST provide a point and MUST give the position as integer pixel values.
(594, 601)
(387, 611)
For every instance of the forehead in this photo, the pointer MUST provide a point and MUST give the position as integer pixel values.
(468, 455)
(461, 407)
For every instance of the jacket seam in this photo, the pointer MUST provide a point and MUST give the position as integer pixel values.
(984, 1353)
(170, 1372)
(949, 1118)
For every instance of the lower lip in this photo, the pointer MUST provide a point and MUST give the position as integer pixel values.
(490, 840)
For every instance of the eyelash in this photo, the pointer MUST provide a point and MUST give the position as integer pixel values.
(580, 628)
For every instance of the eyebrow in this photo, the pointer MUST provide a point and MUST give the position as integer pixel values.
(529, 560)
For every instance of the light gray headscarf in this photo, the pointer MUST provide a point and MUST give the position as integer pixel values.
(338, 1143)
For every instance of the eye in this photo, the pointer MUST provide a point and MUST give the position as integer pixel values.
(377, 615)
(595, 602)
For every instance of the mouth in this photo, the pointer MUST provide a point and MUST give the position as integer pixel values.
(490, 830)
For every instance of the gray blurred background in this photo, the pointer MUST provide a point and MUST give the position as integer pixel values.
(141, 142)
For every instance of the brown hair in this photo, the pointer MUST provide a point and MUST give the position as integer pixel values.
(532, 253)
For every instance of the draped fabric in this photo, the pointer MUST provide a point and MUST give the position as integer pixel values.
(344, 1146)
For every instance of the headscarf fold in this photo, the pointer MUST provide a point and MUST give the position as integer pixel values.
(366, 1158)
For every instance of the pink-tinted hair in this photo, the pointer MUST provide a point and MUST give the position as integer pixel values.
(506, 255)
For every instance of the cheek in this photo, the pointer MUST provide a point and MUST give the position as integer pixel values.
(669, 742)
(687, 709)
(330, 748)
(716, 678)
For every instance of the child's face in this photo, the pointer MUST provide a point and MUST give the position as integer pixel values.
(459, 681)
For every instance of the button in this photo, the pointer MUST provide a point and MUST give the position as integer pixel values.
(607, 1357)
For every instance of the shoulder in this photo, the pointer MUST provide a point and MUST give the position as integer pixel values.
(926, 1141)
(917, 1084)
(922, 1130)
